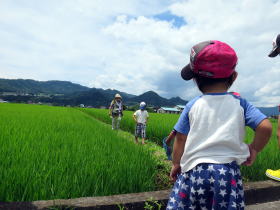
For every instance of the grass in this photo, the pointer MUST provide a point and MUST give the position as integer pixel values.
(160, 125)
(268, 158)
(54, 152)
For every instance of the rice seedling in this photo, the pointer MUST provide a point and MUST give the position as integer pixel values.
(159, 126)
(54, 152)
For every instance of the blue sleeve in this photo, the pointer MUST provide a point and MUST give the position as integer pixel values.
(183, 123)
(253, 116)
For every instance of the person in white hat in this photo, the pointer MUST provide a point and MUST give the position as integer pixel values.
(141, 117)
(116, 111)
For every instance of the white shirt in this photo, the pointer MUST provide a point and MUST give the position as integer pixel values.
(215, 129)
(141, 116)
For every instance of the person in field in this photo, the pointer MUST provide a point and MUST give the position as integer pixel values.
(116, 111)
(275, 174)
(209, 145)
(141, 117)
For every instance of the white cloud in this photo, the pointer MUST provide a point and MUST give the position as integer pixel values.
(117, 44)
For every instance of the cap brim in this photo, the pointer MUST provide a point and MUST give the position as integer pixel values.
(273, 53)
(187, 73)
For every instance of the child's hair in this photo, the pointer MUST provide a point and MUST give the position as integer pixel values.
(204, 82)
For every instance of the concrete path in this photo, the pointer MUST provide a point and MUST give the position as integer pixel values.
(275, 205)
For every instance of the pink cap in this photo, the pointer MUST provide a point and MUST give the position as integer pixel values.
(213, 59)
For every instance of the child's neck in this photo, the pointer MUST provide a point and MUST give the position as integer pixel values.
(217, 88)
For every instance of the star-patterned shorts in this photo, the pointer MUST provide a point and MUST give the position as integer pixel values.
(208, 186)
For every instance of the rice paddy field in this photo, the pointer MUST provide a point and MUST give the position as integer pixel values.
(159, 126)
(57, 152)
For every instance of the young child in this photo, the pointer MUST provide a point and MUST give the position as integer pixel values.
(209, 148)
(141, 117)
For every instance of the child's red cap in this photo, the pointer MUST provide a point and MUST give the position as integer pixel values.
(213, 59)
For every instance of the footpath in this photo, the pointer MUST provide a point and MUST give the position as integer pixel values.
(258, 196)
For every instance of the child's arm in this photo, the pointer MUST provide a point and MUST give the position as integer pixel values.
(170, 137)
(134, 117)
(178, 150)
(262, 135)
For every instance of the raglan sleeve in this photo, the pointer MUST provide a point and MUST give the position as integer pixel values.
(253, 116)
(183, 124)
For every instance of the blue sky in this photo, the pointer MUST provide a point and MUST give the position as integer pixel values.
(136, 46)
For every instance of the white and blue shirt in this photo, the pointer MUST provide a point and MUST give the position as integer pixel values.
(215, 128)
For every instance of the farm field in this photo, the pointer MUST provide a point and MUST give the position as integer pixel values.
(58, 152)
(55, 152)
(159, 126)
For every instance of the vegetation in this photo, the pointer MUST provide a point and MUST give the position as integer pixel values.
(57, 152)
(53, 152)
(268, 158)
(159, 126)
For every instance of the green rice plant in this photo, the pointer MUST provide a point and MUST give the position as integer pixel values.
(159, 126)
(55, 152)
(268, 158)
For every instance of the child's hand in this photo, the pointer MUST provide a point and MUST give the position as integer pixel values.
(176, 169)
(251, 159)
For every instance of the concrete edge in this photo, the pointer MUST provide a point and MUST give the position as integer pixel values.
(255, 192)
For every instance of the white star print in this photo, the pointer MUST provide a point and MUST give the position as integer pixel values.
(239, 182)
(222, 192)
(192, 178)
(212, 189)
(199, 181)
(222, 182)
(233, 193)
(199, 169)
(223, 204)
(184, 186)
(211, 168)
(233, 204)
(193, 190)
(192, 207)
(242, 204)
(169, 207)
(181, 205)
(200, 191)
(176, 190)
(204, 208)
(185, 175)
(172, 200)
(222, 171)
(179, 182)
(238, 172)
(232, 172)
(192, 199)
(211, 180)
(202, 201)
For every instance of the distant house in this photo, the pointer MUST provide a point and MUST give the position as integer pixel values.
(168, 110)
(2, 101)
(180, 107)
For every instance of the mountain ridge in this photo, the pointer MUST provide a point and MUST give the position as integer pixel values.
(68, 93)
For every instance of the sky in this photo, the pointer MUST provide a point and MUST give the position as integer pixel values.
(138, 45)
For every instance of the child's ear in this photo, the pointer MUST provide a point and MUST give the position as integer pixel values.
(235, 74)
